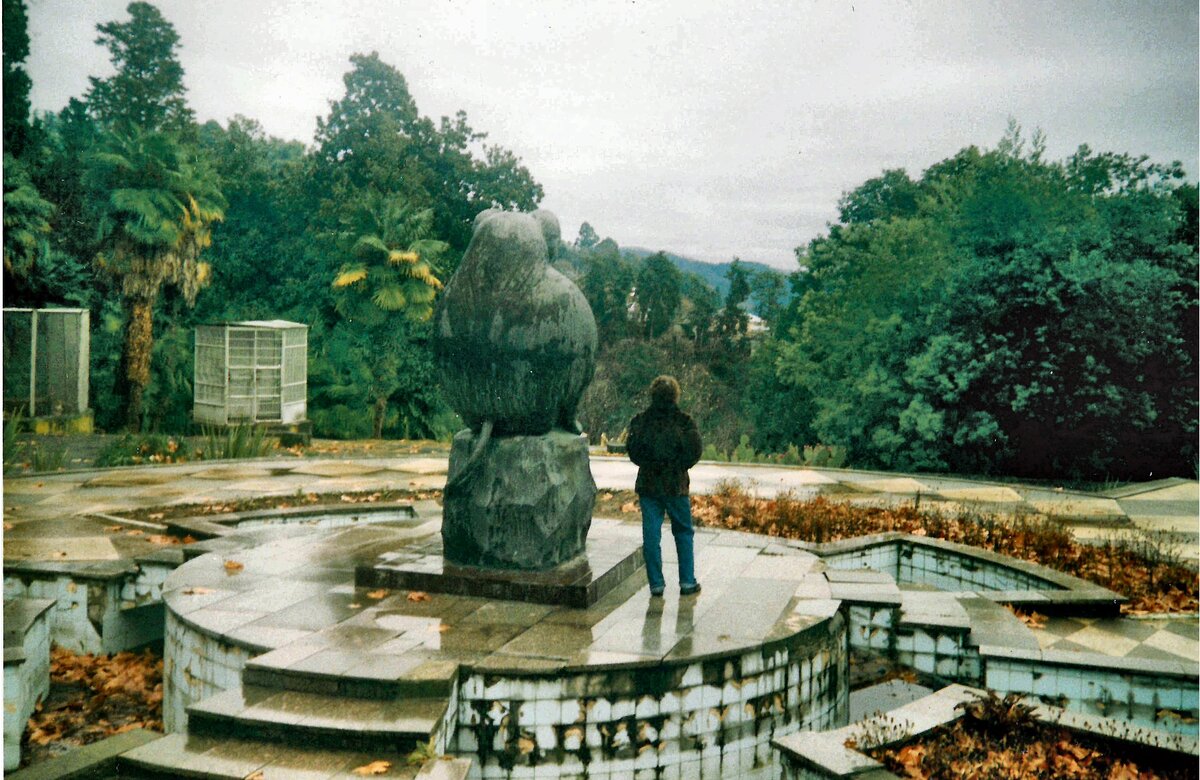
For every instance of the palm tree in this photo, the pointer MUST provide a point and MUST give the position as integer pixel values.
(391, 278)
(155, 205)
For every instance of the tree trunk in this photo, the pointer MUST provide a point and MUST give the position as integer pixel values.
(139, 340)
(381, 405)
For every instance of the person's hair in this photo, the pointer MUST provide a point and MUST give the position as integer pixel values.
(664, 390)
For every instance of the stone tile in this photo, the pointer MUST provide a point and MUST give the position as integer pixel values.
(313, 613)
(421, 466)
(267, 637)
(79, 548)
(328, 662)
(1066, 645)
(1064, 626)
(1078, 507)
(550, 641)
(1099, 640)
(992, 494)
(130, 478)
(1186, 628)
(221, 621)
(1187, 492)
(508, 612)
(232, 473)
(906, 486)
(1152, 654)
(344, 468)
(1169, 642)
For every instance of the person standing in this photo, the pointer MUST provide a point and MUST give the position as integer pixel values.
(664, 443)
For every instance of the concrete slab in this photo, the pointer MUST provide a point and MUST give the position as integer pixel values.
(78, 548)
(1188, 491)
(343, 468)
(231, 473)
(131, 478)
(899, 485)
(421, 466)
(992, 494)
(1071, 507)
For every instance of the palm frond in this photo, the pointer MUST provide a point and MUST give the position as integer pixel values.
(370, 247)
(396, 257)
(390, 298)
(350, 275)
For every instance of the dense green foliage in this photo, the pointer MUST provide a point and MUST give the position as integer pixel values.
(1001, 313)
(1004, 314)
(117, 209)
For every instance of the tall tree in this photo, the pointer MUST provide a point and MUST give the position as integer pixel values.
(16, 80)
(733, 320)
(390, 279)
(607, 282)
(658, 295)
(154, 204)
(374, 136)
(587, 238)
(147, 89)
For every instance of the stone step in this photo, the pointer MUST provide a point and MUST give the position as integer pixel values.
(181, 755)
(365, 675)
(300, 718)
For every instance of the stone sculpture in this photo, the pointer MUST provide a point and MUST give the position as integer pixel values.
(515, 345)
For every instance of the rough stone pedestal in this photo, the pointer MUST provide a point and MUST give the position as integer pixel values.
(524, 502)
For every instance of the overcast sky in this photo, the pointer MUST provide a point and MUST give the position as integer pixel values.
(711, 129)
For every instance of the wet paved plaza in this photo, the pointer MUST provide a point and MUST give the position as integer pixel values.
(290, 640)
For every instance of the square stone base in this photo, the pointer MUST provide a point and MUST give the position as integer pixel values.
(607, 560)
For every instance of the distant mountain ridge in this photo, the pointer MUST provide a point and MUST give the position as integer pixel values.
(713, 273)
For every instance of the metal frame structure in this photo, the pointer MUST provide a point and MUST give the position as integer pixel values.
(46, 372)
(251, 372)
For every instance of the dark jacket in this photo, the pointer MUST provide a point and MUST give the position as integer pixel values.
(664, 442)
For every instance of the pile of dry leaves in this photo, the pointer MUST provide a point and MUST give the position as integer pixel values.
(95, 696)
(999, 738)
(1153, 580)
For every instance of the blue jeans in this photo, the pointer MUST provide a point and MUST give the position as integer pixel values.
(679, 509)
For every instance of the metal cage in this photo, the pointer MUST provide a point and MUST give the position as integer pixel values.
(46, 354)
(251, 372)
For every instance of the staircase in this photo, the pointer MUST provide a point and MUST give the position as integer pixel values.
(295, 724)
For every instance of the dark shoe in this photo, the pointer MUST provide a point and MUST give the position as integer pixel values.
(689, 590)
(656, 593)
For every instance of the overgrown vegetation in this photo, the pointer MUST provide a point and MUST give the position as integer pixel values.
(999, 738)
(232, 442)
(29, 454)
(1147, 574)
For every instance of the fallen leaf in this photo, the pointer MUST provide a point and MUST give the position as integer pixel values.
(135, 532)
(8, 526)
(373, 768)
(629, 508)
(156, 515)
(256, 775)
(378, 594)
(162, 539)
(114, 528)
(418, 595)
(189, 539)
(233, 567)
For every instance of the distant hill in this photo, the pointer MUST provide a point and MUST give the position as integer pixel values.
(713, 273)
